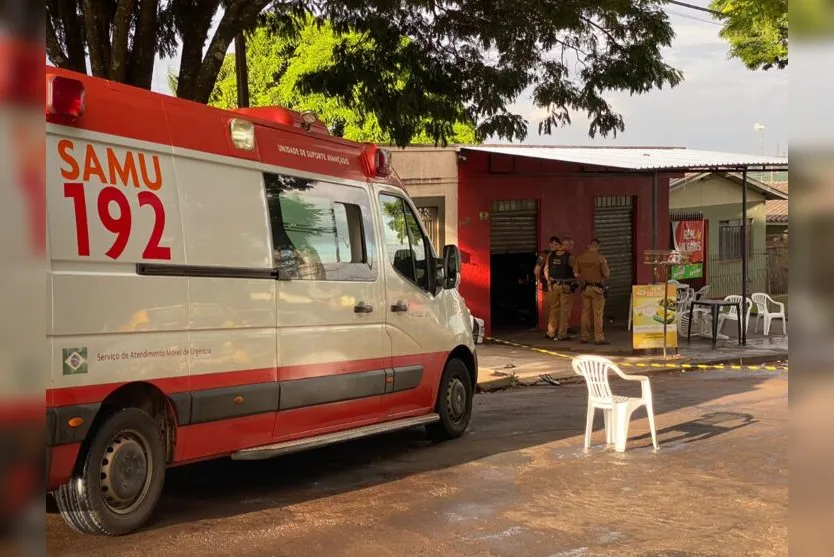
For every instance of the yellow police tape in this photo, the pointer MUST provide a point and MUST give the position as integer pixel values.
(664, 365)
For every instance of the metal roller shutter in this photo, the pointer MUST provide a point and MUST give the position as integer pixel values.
(514, 226)
(614, 228)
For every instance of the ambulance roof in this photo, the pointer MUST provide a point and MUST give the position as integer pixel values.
(280, 140)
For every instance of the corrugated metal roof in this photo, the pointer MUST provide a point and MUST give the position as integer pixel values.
(638, 158)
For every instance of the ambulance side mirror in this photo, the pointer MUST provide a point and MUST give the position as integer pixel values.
(451, 267)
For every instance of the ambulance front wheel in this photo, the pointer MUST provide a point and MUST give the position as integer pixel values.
(119, 480)
(454, 402)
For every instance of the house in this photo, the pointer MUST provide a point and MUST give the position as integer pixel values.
(501, 203)
(715, 198)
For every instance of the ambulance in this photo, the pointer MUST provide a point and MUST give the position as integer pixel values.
(234, 284)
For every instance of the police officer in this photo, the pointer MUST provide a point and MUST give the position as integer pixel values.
(558, 274)
(592, 270)
(538, 270)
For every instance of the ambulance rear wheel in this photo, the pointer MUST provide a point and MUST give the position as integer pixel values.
(454, 402)
(117, 485)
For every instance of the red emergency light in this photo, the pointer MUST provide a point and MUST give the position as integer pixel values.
(377, 162)
(64, 98)
(382, 162)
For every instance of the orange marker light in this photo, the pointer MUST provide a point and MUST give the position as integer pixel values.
(76, 421)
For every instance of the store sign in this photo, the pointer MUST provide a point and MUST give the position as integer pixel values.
(692, 271)
(648, 315)
(688, 236)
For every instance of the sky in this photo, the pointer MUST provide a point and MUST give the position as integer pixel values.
(715, 108)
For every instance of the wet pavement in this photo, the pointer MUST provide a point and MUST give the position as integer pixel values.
(517, 484)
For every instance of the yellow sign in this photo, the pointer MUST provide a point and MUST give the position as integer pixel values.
(649, 308)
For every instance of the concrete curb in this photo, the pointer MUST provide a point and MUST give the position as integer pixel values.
(495, 383)
(503, 382)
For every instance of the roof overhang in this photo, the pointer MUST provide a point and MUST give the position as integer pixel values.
(769, 192)
(640, 159)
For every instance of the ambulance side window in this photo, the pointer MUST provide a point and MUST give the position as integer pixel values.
(320, 231)
(406, 245)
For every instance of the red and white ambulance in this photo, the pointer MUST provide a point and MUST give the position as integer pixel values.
(229, 283)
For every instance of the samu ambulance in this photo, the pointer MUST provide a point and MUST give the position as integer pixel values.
(229, 283)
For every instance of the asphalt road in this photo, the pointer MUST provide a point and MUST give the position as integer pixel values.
(518, 484)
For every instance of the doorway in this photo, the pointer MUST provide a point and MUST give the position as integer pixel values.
(513, 251)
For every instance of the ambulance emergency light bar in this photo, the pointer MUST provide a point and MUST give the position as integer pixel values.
(65, 103)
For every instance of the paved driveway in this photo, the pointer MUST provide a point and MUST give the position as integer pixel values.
(517, 485)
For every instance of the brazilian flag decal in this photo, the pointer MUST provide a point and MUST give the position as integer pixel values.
(75, 360)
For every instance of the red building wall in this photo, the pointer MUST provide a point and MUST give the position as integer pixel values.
(566, 207)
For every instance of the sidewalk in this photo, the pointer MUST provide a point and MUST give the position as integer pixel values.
(502, 366)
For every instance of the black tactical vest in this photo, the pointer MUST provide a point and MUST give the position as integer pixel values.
(559, 266)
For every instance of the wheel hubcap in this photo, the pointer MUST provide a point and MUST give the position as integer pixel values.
(125, 472)
(456, 399)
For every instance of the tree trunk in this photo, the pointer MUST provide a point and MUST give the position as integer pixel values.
(53, 46)
(140, 72)
(193, 28)
(121, 34)
(92, 23)
(73, 37)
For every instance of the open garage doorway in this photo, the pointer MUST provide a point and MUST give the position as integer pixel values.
(513, 249)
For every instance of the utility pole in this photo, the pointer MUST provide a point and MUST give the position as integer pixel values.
(241, 72)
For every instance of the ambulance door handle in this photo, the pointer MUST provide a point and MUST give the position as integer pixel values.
(399, 306)
(362, 307)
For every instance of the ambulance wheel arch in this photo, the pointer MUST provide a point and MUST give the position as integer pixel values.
(465, 355)
(455, 396)
(146, 397)
(120, 470)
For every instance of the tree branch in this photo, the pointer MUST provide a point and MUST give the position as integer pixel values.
(604, 31)
(121, 33)
(237, 17)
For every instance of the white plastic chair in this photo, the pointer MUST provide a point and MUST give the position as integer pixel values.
(732, 315)
(761, 300)
(702, 292)
(685, 298)
(616, 410)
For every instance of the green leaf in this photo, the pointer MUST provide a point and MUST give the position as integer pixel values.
(756, 30)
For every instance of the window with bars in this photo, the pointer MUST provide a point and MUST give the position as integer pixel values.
(729, 238)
